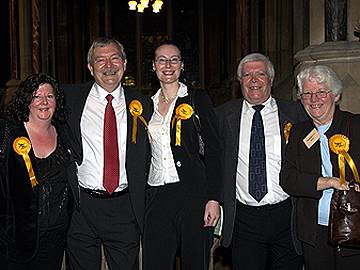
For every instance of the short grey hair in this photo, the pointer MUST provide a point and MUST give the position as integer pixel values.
(320, 74)
(253, 57)
(102, 42)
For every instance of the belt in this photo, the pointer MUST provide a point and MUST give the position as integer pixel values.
(102, 194)
(285, 202)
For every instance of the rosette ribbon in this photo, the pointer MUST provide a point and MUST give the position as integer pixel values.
(183, 112)
(340, 144)
(287, 128)
(136, 110)
(22, 147)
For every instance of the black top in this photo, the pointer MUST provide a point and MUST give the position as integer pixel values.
(53, 189)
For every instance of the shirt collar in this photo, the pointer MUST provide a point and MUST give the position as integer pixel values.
(101, 93)
(182, 92)
(323, 128)
(269, 105)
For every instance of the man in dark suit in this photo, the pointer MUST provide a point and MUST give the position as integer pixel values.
(112, 158)
(257, 212)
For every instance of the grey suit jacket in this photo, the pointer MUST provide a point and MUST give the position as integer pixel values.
(229, 125)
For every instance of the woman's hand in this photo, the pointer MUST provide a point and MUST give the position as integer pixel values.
(331, 182)
(212, 213)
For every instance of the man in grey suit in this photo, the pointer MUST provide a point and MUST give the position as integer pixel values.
(254, 130)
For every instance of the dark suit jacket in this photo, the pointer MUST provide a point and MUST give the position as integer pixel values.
(19, 202)
(229, 123)
(137, 155)
(199, 178)
(301, 169)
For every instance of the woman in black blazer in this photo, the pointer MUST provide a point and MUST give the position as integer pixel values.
(182, 204)
(34, 193)
(310, 170)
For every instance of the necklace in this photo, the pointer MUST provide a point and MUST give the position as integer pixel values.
(167, 99)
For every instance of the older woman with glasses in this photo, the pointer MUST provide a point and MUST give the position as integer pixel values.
(310, 170)
(182, 204)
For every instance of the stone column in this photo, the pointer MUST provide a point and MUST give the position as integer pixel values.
(335, 20)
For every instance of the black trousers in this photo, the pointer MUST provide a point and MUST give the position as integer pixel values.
(175, 221)
(325, 256)
(262, 238)
(110, 222)
(49, 254)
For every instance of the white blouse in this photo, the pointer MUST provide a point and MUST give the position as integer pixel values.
(162, 167)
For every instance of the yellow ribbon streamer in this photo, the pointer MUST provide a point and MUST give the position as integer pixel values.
(183, 112)
(136, 110)
(287, 128)
(22, 147)
(340, 145)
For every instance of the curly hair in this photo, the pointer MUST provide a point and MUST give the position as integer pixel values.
(19, 106)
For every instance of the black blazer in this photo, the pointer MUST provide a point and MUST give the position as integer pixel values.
(137, 155)
(19, 232)
(229, 115)
(198, 177)
(301, 169)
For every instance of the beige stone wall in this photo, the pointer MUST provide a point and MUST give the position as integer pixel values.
(353, 18)
(317, 20)
(344, 58)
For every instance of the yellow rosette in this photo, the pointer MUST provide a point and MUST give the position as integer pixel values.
(340, 145)
(183, 112)
(136, 110)
(287, 128)
(22, 147)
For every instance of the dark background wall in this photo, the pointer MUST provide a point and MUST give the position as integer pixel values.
(4, 44)
(53, 36)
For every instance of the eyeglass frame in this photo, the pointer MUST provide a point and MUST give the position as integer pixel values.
(163, 61)
(319, 94)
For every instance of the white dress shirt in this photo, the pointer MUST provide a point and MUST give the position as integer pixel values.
(90, 171)
(162, 168)
(273, 154)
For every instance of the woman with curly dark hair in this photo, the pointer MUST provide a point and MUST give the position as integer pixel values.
(34, 159)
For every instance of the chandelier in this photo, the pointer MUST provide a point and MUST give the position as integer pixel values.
(156, 5)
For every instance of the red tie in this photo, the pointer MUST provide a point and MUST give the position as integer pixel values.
(111, 150)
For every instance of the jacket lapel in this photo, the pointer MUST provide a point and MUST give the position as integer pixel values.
(75, 117)
(233, 120)
(283, 120)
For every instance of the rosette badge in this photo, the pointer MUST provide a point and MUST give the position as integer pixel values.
(340, 145)
(183, 112)
(287, 128)
(136, 110)
(22, 147)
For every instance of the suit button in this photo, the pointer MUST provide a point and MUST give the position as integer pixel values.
(178, 164)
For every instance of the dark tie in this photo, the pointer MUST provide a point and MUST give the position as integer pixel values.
(257, 157)
(111, 150)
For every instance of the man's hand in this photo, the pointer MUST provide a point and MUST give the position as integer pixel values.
(212, 213)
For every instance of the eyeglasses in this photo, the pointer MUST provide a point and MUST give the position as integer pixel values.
(172, 61)
(319, 94)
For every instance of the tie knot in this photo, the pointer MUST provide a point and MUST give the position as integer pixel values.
(258, 108)
(109, 98)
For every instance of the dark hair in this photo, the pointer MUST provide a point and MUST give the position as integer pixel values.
(168, 42)
(19, 106)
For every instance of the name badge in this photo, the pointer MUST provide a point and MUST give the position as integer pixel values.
(311, 138)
